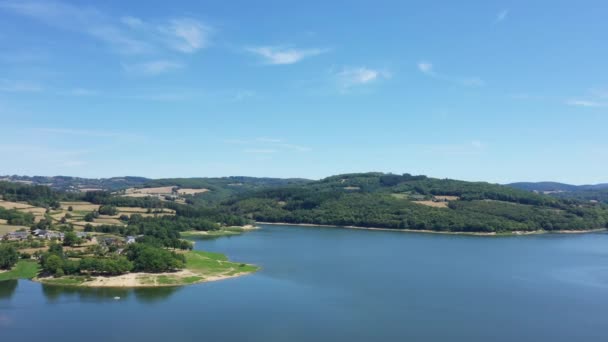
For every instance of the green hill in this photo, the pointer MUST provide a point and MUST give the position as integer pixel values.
(417, 202)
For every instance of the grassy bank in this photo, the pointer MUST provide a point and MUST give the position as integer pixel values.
(24, 269)
(211, 234)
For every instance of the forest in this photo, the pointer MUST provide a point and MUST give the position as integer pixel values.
(398, 202)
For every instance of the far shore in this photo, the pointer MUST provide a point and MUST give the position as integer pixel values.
(513, 233)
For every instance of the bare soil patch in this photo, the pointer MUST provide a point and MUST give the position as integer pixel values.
(432, 204)
(191, 191)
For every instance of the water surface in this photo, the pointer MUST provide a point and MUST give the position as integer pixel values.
(329, 284)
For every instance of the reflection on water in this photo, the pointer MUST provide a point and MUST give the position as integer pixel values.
(7, 288)
(146, 295)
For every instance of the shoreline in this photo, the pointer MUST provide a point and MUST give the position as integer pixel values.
(136, 280)
(201, 267)
(426, 231)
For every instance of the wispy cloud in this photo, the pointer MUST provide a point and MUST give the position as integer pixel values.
(351, 77)
(267, 145)
(473, 147)
(586, 103)
(277, 55)
(17, 86)
(80, 92)
(187, 35)
(595, 98)
(259, 150)
(428, 69)
(152, 68)
(87, 132)
(501, 16)
(126, 35)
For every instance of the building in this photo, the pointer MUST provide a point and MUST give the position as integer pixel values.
(17, 236)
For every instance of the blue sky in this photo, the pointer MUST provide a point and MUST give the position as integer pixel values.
(477, 90)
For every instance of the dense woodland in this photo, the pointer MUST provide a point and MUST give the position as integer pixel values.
(389, 201)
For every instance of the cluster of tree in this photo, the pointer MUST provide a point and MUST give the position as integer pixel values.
(109, 210)
(16, 217)
(37, 195)
(139, 257)
(107, 198)
(148, 258)
(90, 217)
(8, 256)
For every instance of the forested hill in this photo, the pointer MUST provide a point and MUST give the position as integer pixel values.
(417, 202)
(594, 193)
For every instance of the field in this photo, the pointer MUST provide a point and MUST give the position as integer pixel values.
(191, 191)
(23, 270)
(7, 228)
(432, 204)
(79, 210)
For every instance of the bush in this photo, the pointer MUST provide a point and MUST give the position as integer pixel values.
(108, 210)
(25, 256)
(8, 256)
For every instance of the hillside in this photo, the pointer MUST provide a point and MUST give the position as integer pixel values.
(417, 202)
(211, 190)
(595, 192)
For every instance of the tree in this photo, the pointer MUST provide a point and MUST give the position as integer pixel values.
(70, 208)
(8, 256)
(108, 210)
(89, 217)
(52, 264)
(71, 239)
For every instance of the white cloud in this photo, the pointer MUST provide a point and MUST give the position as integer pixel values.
(279, 55)
(350, 77)
(268, 140)
(259, 150)
(81, 92)
(586, 103)
(501, 16)
(132, 22)
(473, 82)
(187, 35)
(127, 35)
(152, 68)
(243, 95)
(16, 86)
(87, 132)
(428, 69)
(267, 145)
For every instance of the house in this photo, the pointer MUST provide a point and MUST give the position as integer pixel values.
(39, 232)
(47, 234)
(109, 241)
(130, 239)
(17, 236)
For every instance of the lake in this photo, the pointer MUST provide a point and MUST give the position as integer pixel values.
(331, 284)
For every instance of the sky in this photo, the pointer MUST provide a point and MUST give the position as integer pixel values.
(497, 91)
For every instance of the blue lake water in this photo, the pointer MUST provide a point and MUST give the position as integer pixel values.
(331, 284)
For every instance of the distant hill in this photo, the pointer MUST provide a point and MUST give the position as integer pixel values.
(555, 187)
(219, 188)
(594, 192)
(78, 184)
